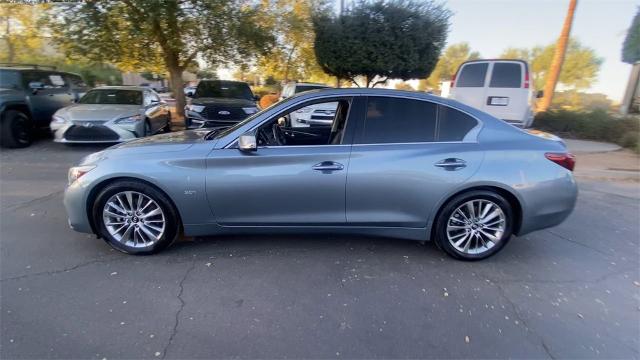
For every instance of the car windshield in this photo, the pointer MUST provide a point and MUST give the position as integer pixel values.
(113, 96)
(224, 89)
(301, 88)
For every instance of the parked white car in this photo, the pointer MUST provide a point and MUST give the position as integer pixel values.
(501, 88)
(312, 115)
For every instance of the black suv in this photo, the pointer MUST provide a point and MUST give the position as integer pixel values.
(220, 103)
(29, 95)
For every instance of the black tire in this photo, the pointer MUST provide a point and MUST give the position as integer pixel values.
(147, 129)
(440, 232)
(172, 220)
(15, 130)
(167, 128)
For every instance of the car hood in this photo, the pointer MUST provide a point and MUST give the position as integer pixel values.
(223, 102)
(176, 141)
(98, 112)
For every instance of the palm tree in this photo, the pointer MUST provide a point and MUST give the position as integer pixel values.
(558, 59)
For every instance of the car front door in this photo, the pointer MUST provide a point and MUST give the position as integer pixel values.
(296, 185)
(53, 95)
(403, 162)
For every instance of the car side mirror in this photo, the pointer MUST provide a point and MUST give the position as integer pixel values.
(35, 86)
(247, 142)
(256, 97)
(540, 94)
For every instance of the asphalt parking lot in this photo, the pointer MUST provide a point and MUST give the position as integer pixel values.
(569, 292)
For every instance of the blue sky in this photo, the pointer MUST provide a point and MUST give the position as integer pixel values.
(490, 26)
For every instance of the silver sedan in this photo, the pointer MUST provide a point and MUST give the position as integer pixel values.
(111, 114)
(392, 163)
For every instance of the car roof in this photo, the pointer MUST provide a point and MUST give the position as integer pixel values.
(28, 68)
(121, 87)
(223, 81)
(310, 84)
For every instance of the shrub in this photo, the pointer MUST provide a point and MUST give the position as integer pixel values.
(592, 125)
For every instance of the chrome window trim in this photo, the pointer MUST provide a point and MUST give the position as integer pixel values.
(470, 138)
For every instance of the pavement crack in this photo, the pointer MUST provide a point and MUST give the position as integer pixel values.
(524, 322)
(25, 204)
(577, 243)
(174, 330)
(53, 272)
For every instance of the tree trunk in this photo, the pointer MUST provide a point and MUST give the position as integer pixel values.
(10, 48)
(175, 75)
(558, 59)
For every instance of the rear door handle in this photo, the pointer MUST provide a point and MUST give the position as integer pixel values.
(451, 164)
(328, 166)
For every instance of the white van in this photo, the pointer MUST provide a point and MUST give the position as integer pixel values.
(499, 87)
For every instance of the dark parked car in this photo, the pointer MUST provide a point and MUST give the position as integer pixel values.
(29, 95)
(220, 104)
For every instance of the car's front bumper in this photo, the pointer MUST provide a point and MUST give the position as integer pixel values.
(75, 203)
(79, 132)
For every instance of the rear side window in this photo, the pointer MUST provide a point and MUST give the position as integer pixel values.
(454, 125)
(9, 79)
(396, 120)
(472, 75)
(506, 75)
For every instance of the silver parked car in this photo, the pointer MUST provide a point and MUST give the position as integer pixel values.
(111, 114)
(399, 164)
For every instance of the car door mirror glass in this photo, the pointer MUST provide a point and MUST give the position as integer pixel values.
(247, 142)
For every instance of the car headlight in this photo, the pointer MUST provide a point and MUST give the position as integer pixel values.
(195, 108)
(129, 119)
(76, 172)
(250, 110)
(58, 119)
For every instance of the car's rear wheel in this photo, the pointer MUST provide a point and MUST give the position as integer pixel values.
(15, 129)
(474, 225)
(135, 218)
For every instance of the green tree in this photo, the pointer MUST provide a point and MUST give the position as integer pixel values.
(20, 38)
(631, 46)
(292, 56)
(378, 40)
(161, 35)
(579, 70)
(448, 64)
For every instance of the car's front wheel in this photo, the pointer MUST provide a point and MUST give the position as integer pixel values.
(135, 218)
(474, 225)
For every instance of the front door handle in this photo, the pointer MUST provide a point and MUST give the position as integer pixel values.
(451, 164)
(328, 166)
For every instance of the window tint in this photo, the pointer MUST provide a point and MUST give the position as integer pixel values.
(395, 120)
(112, 96)
(76, 81)
(9, 79)
(506, 75)
(48, 80)
(224, 89)
(472, 75)
(454, 125)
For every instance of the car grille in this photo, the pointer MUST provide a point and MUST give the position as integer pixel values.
(92, 133)
(224, 113)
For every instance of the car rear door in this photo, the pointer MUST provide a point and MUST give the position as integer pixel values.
(44, 102)
(469, 84)
(291, 185)
(407, 155)
(507, 94)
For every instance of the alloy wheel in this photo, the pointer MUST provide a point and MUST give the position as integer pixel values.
(476, 226)
(134, 219)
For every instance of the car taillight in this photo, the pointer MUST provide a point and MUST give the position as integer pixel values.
(566, 160)
(526, 79)
(453, 79)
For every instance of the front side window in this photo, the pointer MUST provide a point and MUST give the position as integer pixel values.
(46, 79)
(324, 124)
(397, 120)
(453, 124)
(223, 89)
(506, 75)
(112, 97)
(472, 75)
